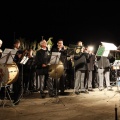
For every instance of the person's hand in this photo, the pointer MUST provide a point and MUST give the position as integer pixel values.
(44, 65)
(65, 48)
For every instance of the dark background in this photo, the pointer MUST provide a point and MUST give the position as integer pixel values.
(89, 21)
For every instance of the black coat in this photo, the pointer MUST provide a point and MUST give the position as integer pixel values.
(80, 62)
(103, 62)
(91, 61)
(42, 57)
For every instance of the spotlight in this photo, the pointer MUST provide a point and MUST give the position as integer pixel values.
(90, 48)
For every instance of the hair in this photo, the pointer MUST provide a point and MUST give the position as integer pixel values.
(79, 42)
(59, 40)
(42, 41)
(16, 41)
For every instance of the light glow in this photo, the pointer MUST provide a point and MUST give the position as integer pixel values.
(90, 48)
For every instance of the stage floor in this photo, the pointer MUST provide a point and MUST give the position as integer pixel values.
(97, 105)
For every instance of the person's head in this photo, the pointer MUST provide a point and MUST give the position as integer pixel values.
(80, 46)
(60, 43)
(1, 42)
(30, 52)
(43, 43)
(17, 44)
(79, 43)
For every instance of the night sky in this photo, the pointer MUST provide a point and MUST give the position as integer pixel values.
(90, 22)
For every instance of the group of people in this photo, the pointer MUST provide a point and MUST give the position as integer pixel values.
(89, 67)
(80, 71)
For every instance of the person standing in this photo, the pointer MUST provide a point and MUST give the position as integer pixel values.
(17, 85)
(103, 64)
(90, 63)
(42, 59)
(80, 63)
(63, 58)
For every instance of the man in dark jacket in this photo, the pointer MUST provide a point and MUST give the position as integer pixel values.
(63, 58)
(42, 59)
(80, 63)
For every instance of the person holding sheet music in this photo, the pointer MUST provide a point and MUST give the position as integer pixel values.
(103, 64)
(63, 58)
(42, 59)
(29, 72)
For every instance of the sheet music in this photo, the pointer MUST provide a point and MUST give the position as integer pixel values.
(106, 53)
(24, 60)
(55, 57)
(5, 56)
(117, 62)
(3, 60)
(7, 50)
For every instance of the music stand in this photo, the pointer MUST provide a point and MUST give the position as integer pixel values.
(22, 62)
(55, 62)
(7, 58)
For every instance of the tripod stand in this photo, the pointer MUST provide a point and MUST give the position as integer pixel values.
(56, 70)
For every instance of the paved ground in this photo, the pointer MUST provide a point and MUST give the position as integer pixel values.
(97, 105)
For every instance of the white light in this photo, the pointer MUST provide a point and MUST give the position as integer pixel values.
(90, 48)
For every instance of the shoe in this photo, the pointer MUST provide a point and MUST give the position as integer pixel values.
(90, 89)
(52, 95)
(77, 93)
(16, 102)
(62, 93)
(110, 89)
(42, 94)
(100, 89)
(85, 92)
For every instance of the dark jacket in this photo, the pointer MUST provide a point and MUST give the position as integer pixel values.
(91, 61)
(103, 62)
(42, 57)
(80, 62)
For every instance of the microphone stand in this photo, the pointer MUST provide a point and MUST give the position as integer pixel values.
(116, 116)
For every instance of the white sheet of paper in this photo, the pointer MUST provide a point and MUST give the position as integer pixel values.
(116, 62)
(106, 53)
(24, 60)
(4, 56)
(109, 46)
(55, 57)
